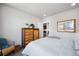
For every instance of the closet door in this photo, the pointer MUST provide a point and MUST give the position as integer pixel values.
(36, 34)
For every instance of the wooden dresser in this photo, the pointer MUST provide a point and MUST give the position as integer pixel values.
(29, 34)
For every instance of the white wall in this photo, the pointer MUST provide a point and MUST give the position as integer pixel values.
(13, 21)
(0, 21)
(66, 15)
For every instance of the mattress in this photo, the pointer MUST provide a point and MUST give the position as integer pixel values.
(50, 47)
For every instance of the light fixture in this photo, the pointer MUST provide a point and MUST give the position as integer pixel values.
(44, 14)
(73, 4)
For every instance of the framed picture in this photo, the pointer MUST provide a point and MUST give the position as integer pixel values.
(66, 26)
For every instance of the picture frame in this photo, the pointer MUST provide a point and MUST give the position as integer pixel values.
(66, 26)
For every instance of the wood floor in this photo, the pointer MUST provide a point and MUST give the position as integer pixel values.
(19, 53)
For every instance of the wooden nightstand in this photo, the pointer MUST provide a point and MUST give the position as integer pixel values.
(18, 48)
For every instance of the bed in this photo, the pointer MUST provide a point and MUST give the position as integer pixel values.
(50, 47)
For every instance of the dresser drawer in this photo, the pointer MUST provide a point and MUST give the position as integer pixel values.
(27, 31)
(28, 39)
(26, 43)
(30, 36)
(30, 33)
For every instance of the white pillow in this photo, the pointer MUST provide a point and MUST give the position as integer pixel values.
(56, 37)
(76, 42)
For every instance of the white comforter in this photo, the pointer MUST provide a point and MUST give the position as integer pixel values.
(50, 47)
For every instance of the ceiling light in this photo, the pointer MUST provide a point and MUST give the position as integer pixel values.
(73, 4)
(44, 15)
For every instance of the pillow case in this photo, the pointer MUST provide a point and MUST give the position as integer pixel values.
(56, 37)
(76, 43)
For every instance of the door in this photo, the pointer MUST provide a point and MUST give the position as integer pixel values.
(36, 34)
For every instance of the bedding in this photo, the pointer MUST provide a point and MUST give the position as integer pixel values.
(76, 43)
(50, 47)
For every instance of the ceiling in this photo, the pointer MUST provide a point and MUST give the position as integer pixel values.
(39, 9)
